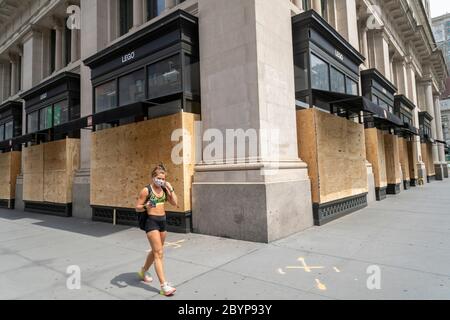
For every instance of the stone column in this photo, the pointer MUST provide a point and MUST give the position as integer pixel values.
(74, 46)
(299, 4)
(412, 91)
(379, 52)
(58, 47)
(364, 46)
(94, 37)
(32, 59)
(14, 73)
(428, 85)
(317, 5)
(402, 77)
(138, 13)
(440, 135)
(5, 81)
(234, 195)
(170, 4)
(347, 21)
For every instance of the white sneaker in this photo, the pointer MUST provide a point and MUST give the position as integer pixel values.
(145, 276)
(167, 290)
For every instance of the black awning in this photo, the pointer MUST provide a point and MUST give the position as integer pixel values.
(408, 128)
(132, 110)
(362, 104)
(73, 125)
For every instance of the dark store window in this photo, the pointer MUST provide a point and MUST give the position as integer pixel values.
(45, 118)
(60, 112)
(8, 130)
(352, 87)
(105, 96)
(33, 122)
(2, 132)
(192, 75)
(337, 81)
(301, 71)
(132, 87)
(319, 74)
(164, 77)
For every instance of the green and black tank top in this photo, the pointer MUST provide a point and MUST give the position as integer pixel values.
(154, 199)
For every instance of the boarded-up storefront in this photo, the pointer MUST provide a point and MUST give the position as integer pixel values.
(48, 171)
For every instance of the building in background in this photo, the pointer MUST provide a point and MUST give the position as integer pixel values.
(441, 31)
(350, 87)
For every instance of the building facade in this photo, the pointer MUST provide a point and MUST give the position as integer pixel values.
(340, 97)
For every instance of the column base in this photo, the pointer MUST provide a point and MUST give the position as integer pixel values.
(413, 183)
(439, 171)
(393, 188)
(240, 202)
(431, 178)
(406, 184)
(18, 202)
(421, 173)
(445, 169)
(371, 193)
(81, 207)
(380, 193)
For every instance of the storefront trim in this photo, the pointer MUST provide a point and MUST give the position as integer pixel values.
(56, 209)
(179, 222)
(380, 193)
(393, 188)
(327, 212)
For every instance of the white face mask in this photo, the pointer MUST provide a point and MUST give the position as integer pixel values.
(158, 182)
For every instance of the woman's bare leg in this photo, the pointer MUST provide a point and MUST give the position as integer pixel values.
(155, 238)
(150, 258)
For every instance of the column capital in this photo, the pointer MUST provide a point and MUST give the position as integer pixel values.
(57, 23)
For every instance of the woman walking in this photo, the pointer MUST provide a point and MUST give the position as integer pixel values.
(152, 200)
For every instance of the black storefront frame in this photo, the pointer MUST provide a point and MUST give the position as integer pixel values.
(316, 37)
(62, 87)
(405, 107)
(182, 40)
(185, 43)
(11, 111)
(312, 35)
(425, 127)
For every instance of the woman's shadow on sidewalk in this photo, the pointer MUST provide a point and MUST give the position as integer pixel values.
(130, 279)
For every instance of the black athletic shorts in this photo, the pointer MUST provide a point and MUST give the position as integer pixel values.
(155, 223)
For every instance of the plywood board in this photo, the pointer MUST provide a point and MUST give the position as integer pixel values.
(393, 169)
(33, 173)
(404, 158)
(334, 149)
(413, 160)
(307, 147)
(122, 159)
(49, 169)
(375, 155)
(9, 170)
(427, 158)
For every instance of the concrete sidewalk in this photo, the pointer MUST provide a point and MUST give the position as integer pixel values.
(407, 237)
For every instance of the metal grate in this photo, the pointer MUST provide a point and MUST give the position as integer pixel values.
(63, 210)
(380, 193)
(327, 212)
(102, 214)
(127, 217)
(4, 203)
